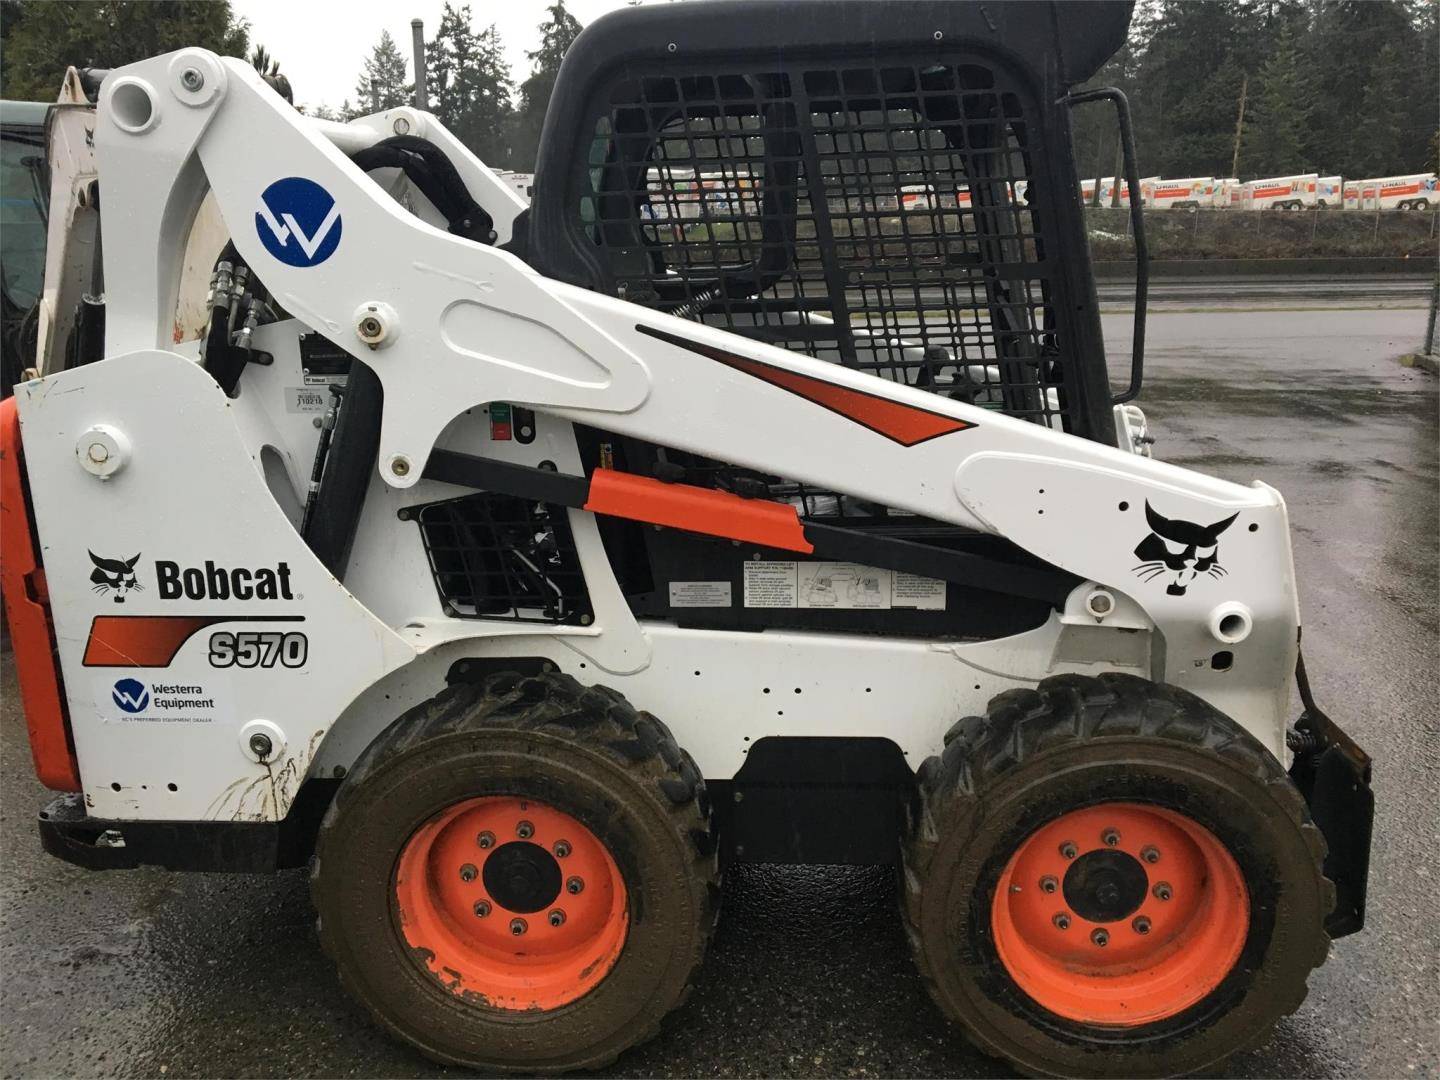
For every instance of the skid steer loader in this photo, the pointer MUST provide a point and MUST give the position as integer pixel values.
(758, 493)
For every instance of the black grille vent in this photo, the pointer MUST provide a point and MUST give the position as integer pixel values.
(498, 557)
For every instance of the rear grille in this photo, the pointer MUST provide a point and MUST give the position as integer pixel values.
(872, 215)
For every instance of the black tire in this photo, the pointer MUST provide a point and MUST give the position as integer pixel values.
(582, 750)
(1078, 741)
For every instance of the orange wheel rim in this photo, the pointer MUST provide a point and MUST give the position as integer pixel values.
(1120, 914)
(511, 903)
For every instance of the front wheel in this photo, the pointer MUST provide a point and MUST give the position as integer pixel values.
(1108, 877)
(519, 875)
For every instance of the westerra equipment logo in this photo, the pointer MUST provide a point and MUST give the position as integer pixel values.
(298, 221)
(169, 702)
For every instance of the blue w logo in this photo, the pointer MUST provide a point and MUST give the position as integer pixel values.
(131, 695)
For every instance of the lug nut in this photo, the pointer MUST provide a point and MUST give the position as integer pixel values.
(562, 848)
(574, 886)
(1069, 850)
(1150, 854)
(557, 917)
(524, 830)
(518, 927)
(482, 908)
(1061, 921)
(486, 839)
(1163, 891)
(1111, 837)
(1100, 937)
(1141, 925)
(468, 872)
(1048, 884)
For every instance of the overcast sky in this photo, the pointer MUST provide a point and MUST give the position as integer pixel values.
(321, 46)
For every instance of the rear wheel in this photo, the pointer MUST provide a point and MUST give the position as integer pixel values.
(519, 875)
(1109, 877)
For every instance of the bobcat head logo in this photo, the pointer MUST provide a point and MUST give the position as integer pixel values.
(114, 576)
(1180, 551)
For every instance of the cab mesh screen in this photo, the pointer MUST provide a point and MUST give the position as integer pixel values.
(873, 216)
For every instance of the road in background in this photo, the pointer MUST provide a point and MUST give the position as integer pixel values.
(141, 973)
(1292, 293)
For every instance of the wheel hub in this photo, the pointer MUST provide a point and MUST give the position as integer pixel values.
(1150, 915)
(522, 877)
(511, 904)
(1106, 885)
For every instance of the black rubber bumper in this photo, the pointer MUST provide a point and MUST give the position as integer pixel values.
(69, 833)
(1333, 774)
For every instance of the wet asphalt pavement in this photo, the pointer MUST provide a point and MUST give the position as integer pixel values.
(144, 973)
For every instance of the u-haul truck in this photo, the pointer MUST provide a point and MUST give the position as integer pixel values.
(1107, 190)
(1280, 193)
(1087, 190)
(1189, 194)
(1414, 192)
(1225, 187)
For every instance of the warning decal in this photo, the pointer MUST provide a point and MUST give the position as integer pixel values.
(838, 586)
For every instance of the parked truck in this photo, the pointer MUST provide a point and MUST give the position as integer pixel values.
(1279, 193)
(1416, 191)
(1188, 194)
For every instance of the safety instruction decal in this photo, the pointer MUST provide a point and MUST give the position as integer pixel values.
(838, 586)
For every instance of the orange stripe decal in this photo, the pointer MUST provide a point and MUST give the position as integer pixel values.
(22, 580)
(142, 640)
(697, 510)
(905, 424)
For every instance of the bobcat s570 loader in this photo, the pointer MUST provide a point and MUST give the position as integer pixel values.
(521, 568)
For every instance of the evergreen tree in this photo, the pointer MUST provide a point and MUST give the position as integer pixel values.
(382, 77)
(470, 85)
(1383, 115)
(1347, 44)
(42, 39)
(557, 34)
(1189, 80)
(1277, 138)
(263, 62)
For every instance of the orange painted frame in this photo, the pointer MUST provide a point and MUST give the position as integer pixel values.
(697, 510)
(27, 607)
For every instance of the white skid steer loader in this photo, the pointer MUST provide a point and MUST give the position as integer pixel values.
(519, 568)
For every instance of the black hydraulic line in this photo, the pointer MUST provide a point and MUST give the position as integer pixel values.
(322, 452)
(1137, 220)
(1034, 582)
(89, 332)
(90, 80)
(431, 170)
(340, 497)
(505, 478)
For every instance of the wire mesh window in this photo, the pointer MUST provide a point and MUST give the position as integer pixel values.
(495, 556)
(872, 215)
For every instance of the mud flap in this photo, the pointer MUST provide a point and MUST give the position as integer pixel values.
(1333, 774)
